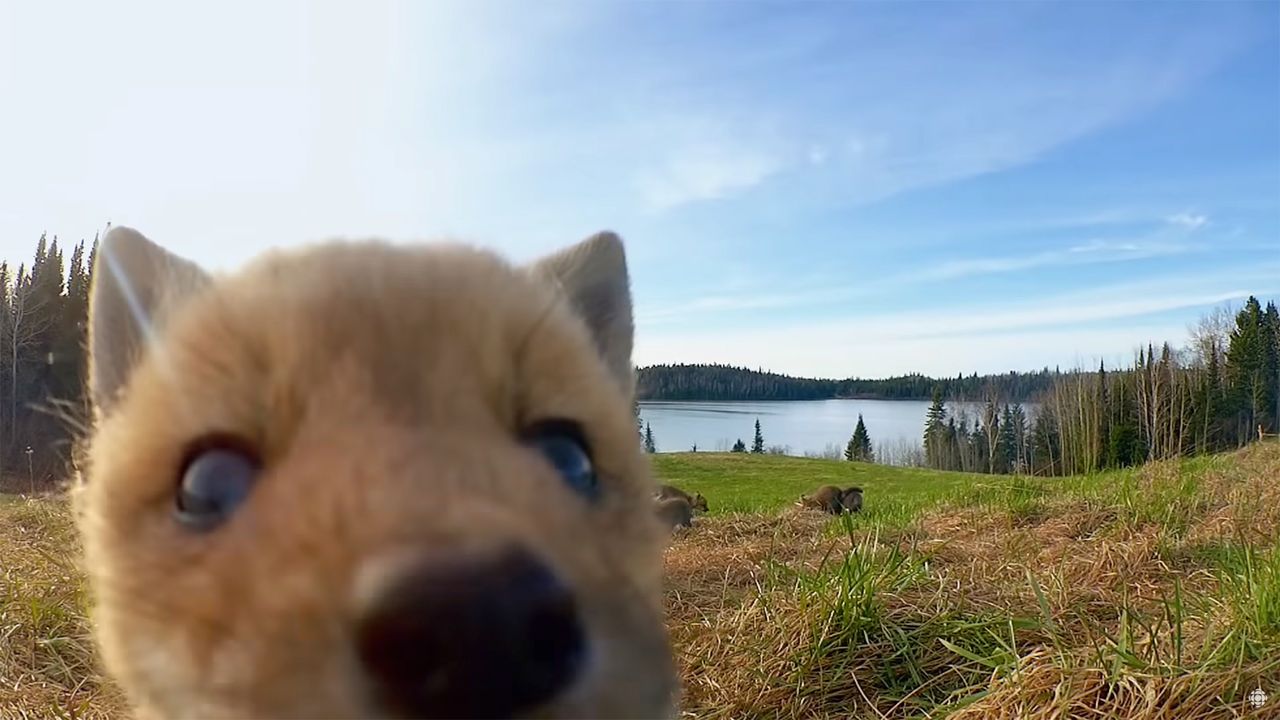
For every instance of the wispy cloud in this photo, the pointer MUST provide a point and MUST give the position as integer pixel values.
(693, 308)
(705, 172)
(977, 337)
(1094, 251)
(744, 298)
(1190, 221)
(853, 354)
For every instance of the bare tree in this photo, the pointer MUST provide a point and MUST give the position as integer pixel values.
(991, 428)
(1076, 401)
(25, 324)
(1210, 335)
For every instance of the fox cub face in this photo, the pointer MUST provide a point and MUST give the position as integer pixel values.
(366, 480)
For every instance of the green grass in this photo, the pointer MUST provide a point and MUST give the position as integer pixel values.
(743, 482)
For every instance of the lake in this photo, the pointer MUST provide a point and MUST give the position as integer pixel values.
(801, 426)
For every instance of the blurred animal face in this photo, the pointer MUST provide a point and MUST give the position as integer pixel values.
(363, 480)
(700, 503)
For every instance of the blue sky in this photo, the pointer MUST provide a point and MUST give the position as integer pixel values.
(846, 188)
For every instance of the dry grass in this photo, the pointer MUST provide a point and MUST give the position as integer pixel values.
(1149, 594)
(47, 664)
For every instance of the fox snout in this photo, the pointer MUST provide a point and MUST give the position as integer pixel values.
(489, 632)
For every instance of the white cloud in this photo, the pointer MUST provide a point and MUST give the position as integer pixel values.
(1091, 252)
(947, 340)
(706, 172)
(683, 310)
(1190, 221)
(847, 353)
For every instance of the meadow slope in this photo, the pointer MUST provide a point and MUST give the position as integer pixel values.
(1151, 593)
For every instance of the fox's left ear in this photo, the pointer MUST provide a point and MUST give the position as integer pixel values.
(136, 284)
(593, 275)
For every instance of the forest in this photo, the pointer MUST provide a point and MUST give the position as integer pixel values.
(1220, 392)
(43, 312)
(728, 383)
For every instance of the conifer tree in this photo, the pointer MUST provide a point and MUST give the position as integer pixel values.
(1045, 443)
(1209, 407)
(859, 447)
(757, 445)
(739, 446)
(991, 433)
(1271, 338)
(1021, 435)
(649, 445)
(1007, 446)
(1247, 371)
(935, 432)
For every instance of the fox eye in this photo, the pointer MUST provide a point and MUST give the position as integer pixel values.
(216, 480)
(563, 445)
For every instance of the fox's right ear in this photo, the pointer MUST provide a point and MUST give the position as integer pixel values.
(593, 276)
(135, 284)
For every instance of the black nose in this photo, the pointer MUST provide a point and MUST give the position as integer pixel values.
(472, 637)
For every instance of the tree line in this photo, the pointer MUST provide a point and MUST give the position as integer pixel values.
(1219, 393)
(730, 383)
(43, 315)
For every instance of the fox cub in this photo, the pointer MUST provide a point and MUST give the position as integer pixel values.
(833, 500)
(370, 480)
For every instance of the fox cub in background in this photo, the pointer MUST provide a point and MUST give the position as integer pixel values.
(369, 480)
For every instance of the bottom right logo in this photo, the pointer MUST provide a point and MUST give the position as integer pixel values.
(1257, 697)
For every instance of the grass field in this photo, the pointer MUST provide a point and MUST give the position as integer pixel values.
(743, 482)
(1151, 593)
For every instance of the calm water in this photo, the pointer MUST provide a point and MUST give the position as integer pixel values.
(803, 425)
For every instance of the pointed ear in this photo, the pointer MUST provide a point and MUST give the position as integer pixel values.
(593, 275)
(135, 285)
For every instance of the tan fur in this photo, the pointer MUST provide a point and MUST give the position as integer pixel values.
(696, 501)
(833, 500)
(384, 387)
(825, 498)
(675, 512)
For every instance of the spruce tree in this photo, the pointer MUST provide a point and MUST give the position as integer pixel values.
(1271, 338)
(1247, 372)
(978, 448)
(1007, 445)
(757, 445)
(1045, 442)
(859, 447)
(964, 444)
(649, 445)
(740, 446)
(935, 432)
(1020, 435)
(951, 446)
(991, 433)
(1209, 409)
